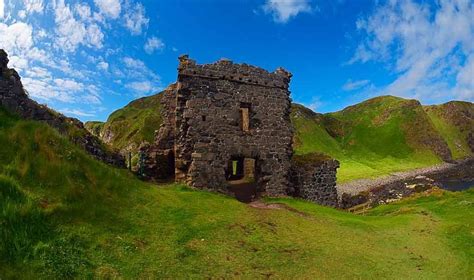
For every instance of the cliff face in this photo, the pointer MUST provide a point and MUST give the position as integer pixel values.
(14, 98)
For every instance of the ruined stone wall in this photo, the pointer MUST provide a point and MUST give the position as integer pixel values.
(208, 132)
(157, 159)
(315, 180)
(14, 98)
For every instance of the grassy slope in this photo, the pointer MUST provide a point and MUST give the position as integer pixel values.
(95, 127)
(63, 214)
(128, 127)
(374, 138)
(454, 120)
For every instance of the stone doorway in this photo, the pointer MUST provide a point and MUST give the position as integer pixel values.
(241, 178)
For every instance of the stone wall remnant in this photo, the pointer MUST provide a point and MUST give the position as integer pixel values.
(313, 178)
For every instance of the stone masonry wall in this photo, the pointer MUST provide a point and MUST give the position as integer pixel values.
(14, 98)
(315, 180)
(208, 132)
(157, 159)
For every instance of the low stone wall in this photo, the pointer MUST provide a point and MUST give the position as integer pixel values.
(14, 98)
(313, 178)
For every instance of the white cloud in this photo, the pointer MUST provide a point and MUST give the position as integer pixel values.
(284, 10)
(2, 8)
(142, 79)
(135, 19)
(76, 112)
(428, 47)
(134, 63)
(22, 14)
(72, 32)
(68, 85)
(110, 8)
(17, 40)
(17, 37)
(136, 68)
(103, 66)
(95, 35)
(38, 72)
(314, 104)
(83, 10)
(153, 44)
(45, 89)
(142, 87)
(465, 80)
(33, 6)
(353, 85)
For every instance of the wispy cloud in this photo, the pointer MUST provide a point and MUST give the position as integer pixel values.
(76, 112)
(153, 44)
(33, 6)
(109, 8)
(354, 85)
(284, 10)
(429, 47)
(135, 19)
(73, 31)
(2, 8)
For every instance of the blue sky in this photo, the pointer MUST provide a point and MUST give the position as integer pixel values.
(87, 58)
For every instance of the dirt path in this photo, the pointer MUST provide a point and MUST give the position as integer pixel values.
(358, 186)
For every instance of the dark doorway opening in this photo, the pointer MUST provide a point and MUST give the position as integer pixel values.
(241, 178)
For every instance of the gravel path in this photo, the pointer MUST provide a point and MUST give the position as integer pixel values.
(357, 186)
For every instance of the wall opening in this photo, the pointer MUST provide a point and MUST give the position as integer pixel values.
(241, 177)
(245, 116)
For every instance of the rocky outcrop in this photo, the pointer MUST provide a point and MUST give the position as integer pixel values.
(14, 98)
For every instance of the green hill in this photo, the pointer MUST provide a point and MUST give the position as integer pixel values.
(455, 122)
(65, 215)
(384, 135)
(127, 128)
(377, 137)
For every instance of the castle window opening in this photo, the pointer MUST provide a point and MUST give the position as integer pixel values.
(245, 117)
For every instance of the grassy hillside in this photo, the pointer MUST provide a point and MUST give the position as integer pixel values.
(95, 127)
(454, 121)
(128, 127)
(380, 136)
(65, 215)
(373, 138)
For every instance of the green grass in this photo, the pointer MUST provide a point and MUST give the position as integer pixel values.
(131, 125)
(65, 215)
(380, 136)
(444, 118)
(374, 138)
(95, 127)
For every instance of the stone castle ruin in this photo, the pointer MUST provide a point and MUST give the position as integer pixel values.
(226, 127)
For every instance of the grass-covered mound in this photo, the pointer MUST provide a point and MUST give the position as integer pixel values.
(380, 136)
(131, 125)
(64, 215)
